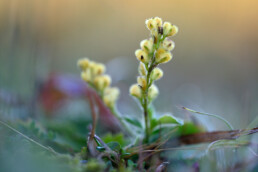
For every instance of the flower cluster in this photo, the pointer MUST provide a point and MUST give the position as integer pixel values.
(154, 51)
(94, 74)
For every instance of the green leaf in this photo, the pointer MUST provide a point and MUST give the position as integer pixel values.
(164, 128)
(151, 111)
(153, 123)
(189, 128)
(170, 119)
(114, 138)
(115, 146)
(100, 148)
(135, 122)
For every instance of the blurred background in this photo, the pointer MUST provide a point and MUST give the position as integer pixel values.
(214, 67)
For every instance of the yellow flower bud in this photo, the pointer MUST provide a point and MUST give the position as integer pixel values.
(110, 96)
(165, 58)
(99, 68)
(150, 23)
(141, 80)
(135, 91)
(159, 53)
(92, 65)
(153, 23)
(168, 44)
(158, 22)
(102, 81)
(156, 74)
(147, 45)
(162, 56)
(86, 75)
(153, 92)
(142, 69)
(169, 29)
(83, 63)
(142, 56)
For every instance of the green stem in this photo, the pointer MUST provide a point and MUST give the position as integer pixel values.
(216, 116)
(149, 83)
(146, 120)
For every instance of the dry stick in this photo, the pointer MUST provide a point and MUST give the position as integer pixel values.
(93, 115)
(216, 135)
(31, 140)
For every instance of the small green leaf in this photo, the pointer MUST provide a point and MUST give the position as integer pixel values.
(164, 127)
(115, 146)
(153, 123)
(170, 119)
(100, 148)
(114, 137)
(133, 121)
(189, 128)
(151, 111)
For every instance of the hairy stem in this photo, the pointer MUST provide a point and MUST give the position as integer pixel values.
(145, 103)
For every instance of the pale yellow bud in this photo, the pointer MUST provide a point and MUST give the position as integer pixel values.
(100, 68)
(156, 74)
(142, 56)
(166, 57)
(147, 45)
(92, 65)
(169, 29)
(83, 63)
(162, 56)
(150, 23)
(112, 91)
(153, 92)
(135, 91)
(142, 82)
(159, 53)
(97, 68)
(86, 75)
(158, 22)
(168, 44)
(142, 69)
(110, 96)
(102, 81)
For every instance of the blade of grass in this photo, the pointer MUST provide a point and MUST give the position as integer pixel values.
(49, 149)
(207, 114)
